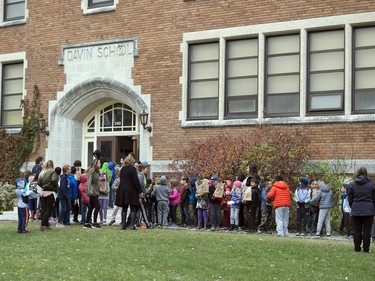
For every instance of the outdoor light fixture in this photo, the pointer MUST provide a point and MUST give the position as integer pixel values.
(144, 120)
(42, 126)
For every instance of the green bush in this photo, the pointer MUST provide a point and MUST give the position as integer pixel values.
(8, 198)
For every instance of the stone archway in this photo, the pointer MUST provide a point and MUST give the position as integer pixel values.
(67, 114)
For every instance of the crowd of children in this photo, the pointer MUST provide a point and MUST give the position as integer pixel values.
(213, 203)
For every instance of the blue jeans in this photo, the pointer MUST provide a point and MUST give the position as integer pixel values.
(185, 215)
(63, 210)
(84, 212)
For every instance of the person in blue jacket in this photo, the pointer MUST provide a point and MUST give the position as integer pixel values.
(73, 196)
(63, 196)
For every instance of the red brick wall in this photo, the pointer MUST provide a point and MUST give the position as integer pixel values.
(159, 26)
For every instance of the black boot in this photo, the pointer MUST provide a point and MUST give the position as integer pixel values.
(123, 220)
(132, 220)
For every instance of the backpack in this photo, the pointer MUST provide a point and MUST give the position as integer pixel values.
(103, 185)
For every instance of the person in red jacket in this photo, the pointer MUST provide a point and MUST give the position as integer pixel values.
(280, 193)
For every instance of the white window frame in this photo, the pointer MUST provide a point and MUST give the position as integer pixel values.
(89, 11)
(8, 59)
(346, 22)
(4, 23)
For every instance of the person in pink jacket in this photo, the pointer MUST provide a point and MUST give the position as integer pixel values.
(173, 201)
(84, 199)
(280, 194)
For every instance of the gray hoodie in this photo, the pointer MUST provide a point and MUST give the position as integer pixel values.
(324, 196)
(162, 190)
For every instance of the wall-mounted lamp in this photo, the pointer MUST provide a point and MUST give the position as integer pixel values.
(42, 126)
(144, 120)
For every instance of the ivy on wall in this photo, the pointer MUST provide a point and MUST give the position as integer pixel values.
(15, 148)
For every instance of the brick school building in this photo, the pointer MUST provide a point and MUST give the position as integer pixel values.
(195, 68)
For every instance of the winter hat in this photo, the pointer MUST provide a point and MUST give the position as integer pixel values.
(214, 178)
(304, 182)
(163, 180)
(237, 184)
(193, 180)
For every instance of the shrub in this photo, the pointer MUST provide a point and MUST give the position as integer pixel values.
(7, 197)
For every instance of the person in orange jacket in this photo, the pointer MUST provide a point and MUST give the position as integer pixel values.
(280, 194)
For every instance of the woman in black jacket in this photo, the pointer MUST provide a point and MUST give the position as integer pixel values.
(129, 192)
(362, 201)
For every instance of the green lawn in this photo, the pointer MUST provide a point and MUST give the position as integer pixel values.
(74, 253)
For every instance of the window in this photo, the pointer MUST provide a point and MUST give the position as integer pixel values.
(242, 77)
(203, 81)
(99, 3)
(12, 93)
(326, 71)
(364, 69)
(115, 118)
(13, 10)
(282, 75)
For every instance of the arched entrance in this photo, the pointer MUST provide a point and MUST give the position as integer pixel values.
(97, 113)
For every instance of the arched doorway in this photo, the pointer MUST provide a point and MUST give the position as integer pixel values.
(111, 128)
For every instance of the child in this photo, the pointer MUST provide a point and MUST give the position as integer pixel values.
(63, 196)
(114, 187)
(184, 202)
(104, 195)
(202, 207)
(235, 203)
(151, 201)
(193, 200)
(84, 198)
(314, 206)
(346, 210)
(173, 201)
(215, 204)
(23, 195)
(266, 208)
(253, 205)
(73, 196)
(224, 204)
(302, 196)
(161, 192)
(325, 198)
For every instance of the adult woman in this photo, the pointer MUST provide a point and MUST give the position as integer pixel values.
(362, 201)
(48, 181)
(92, 188)
(128, 192)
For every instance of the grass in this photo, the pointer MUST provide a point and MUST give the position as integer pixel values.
(74, 253)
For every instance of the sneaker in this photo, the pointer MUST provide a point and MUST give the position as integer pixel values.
(87, 225)
(59, 225)
(96, 225)
(298, 234)
(104, 222)
(328, 235)
(213, 228)
(75, 220)
(317, 235)
(111, 222)
(259, 231)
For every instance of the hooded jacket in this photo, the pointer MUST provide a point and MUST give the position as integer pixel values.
(162, 191)
(324, 196)
(280, 193)
(49, 181)
(362, 197)
(82, 188)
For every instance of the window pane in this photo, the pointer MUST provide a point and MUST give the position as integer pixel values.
(241, 87)
(206, 70)
(13, 86)
(11, 118)
(327, 61)
(326, 81)
(204, 108)
(283, 84)
(327, 40)
(365, 100)
(13, 70)
(365, 58)
(283, 64)
(204, 52)
(365, 79)
(16, 10)
(12, 102)
(282, 104)
(326, 102)
(242, 106)
(283, 44)
(242, 48)
(245, 67)
(204, 89)
(128, 117)
(364, 36)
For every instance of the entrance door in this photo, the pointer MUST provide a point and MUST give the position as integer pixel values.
(114, 148)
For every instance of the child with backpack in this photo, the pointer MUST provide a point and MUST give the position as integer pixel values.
(235, 203)
(23, 196)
